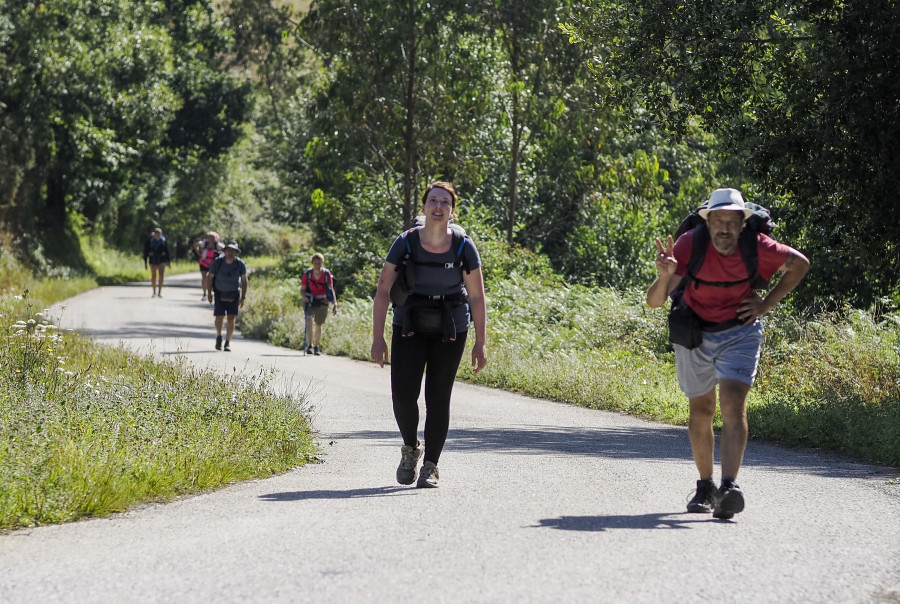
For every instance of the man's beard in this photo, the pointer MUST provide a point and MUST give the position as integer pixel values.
(724, 247)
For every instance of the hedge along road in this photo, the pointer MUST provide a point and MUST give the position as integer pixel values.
(539, 502)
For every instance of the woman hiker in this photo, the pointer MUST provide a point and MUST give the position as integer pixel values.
(429, 328)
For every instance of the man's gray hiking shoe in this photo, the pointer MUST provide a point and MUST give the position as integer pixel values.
(729, 500)
(704, 498)
(428, 477)
(409, 461)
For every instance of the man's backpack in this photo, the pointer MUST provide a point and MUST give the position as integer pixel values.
(758, 222)
(329, 291)
(405, 283)
(685, 327)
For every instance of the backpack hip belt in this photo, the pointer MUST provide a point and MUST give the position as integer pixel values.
(708, 327)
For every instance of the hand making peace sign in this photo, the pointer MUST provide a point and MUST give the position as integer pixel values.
(665, 259)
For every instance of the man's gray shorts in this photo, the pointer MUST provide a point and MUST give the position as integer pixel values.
(732, 354)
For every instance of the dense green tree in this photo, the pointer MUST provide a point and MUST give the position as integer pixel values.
(403, 94)
(549, 107)
(807, 93)
(105, 104)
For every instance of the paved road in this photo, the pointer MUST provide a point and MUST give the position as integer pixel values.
(539, 502)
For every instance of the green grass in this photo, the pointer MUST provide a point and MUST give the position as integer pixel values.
(830, 382)
(87, 430)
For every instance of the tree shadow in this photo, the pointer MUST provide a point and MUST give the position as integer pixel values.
(639, 521)
(619, 443)
(151, 330)
(657, 443)
(338, 494)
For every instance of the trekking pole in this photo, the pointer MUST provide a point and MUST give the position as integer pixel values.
(305, 325)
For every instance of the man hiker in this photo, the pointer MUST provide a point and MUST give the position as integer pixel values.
(719, 293)
(227, 277)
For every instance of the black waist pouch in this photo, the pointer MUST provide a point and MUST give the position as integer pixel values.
(684, 324)
(427, 320)
(430, 317)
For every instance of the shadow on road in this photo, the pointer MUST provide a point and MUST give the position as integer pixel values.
(627, 443)
(348, 494)
(639, 521)
(153, 330)
(651, 443)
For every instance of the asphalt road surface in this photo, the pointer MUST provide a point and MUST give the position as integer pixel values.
(539, 502)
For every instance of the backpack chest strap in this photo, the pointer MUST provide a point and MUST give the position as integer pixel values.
(698, 282)
(456, 264)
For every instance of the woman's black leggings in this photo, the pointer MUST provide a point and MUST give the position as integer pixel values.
(411, 358)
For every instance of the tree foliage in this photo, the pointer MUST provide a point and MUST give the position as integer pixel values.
(116, 115)
(807, 93)
(403, 95)
(107, 106)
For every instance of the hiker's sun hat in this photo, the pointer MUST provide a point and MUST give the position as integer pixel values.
(232, 245)
(725, 199)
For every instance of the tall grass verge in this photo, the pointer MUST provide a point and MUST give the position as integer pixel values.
(88, 430)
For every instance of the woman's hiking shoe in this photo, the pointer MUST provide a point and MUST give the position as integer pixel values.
(409, 460)
(729, 500)
(227, 345)
(428, 477)
(218, 342)
(704, 498)
(309, 350)
(316, 351)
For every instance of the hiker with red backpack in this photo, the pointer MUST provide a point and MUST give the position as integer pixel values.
(711, 272)
(317, 289)
(207, 250)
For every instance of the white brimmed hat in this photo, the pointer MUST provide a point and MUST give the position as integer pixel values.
(725, 199)
(232, 245)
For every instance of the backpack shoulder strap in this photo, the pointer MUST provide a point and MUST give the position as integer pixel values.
(411, 239)
(747, 244)
(456, 244)
(459, 244)
(699, 245)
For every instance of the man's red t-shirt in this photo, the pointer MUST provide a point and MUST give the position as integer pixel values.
(718, 304)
